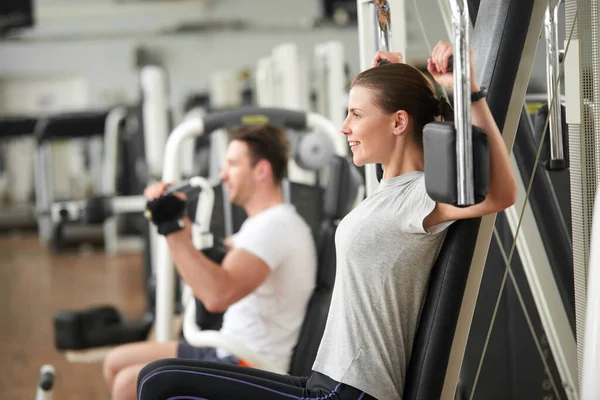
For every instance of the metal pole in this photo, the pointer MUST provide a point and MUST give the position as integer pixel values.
(557, 155)
(165, 274)
(384, 22)
(462, 102)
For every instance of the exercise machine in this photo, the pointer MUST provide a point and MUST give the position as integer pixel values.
(434, 353)
(133, 139)
(16, 173)
(197, 127)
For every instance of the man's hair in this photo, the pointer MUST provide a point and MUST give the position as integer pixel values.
(267, 142)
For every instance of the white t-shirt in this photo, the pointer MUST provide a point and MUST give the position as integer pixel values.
(269, 319)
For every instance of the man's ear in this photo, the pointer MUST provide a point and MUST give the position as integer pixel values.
(400, 122)
(263, 169)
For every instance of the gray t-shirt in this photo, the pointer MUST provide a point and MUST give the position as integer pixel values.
(384, 257)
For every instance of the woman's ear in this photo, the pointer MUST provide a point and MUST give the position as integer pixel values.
(400, 122)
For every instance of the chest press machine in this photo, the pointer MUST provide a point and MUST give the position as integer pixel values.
(313, 151)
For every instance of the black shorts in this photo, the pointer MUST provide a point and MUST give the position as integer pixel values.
(187, 351)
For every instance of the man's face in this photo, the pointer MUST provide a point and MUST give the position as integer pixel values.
(238, 173)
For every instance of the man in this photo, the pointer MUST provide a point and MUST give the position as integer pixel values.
(265, 280)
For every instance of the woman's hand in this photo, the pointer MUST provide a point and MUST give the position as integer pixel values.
(437, 66)
(389, 56)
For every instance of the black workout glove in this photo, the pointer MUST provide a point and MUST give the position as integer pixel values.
(166, 212)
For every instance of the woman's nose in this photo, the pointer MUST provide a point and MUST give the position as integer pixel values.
(345, 129)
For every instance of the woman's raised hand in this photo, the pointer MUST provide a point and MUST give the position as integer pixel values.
(438, 66)
(389, 56)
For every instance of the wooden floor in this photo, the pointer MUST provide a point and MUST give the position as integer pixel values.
(33, 285)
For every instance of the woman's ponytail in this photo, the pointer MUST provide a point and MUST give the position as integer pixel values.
(445, 109)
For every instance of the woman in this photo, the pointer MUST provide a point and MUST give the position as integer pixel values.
(385, 248)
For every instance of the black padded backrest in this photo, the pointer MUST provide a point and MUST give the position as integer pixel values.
(433, 340)
(71, 125)
(307, 200)
(342, 188)
(317, 310)
(339, 196)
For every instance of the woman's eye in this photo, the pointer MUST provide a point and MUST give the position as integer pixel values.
(356, 116)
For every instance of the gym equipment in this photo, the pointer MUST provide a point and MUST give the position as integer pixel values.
(330, 84)
(506, 34)
(279, 83)
(45, 383)
(18, 210)
(546, 199)
(435, 352)
(99, 210)
(96, 327)
(581, 77)
(197, 127)
(154, 117)
(68, 125)
(130, 161)
(557, 151)
(68, 219)
(100, 327)
(591, 364)
(456, 152)
(541, 116)
(439, 146)
(531, 322)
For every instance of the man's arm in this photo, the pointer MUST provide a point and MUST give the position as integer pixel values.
(217, 286)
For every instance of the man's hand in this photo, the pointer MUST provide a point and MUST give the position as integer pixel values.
(159, 188)
(389, 56)
(166, 211)
(156, 189)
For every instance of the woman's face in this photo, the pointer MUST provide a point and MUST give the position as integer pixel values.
(369, 129)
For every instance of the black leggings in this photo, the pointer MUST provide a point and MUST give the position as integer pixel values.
(180, 379)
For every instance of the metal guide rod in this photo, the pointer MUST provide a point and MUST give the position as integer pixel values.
(383, 27)
(384, 33)
(111, 149)
(462, 103)
(557, 155)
